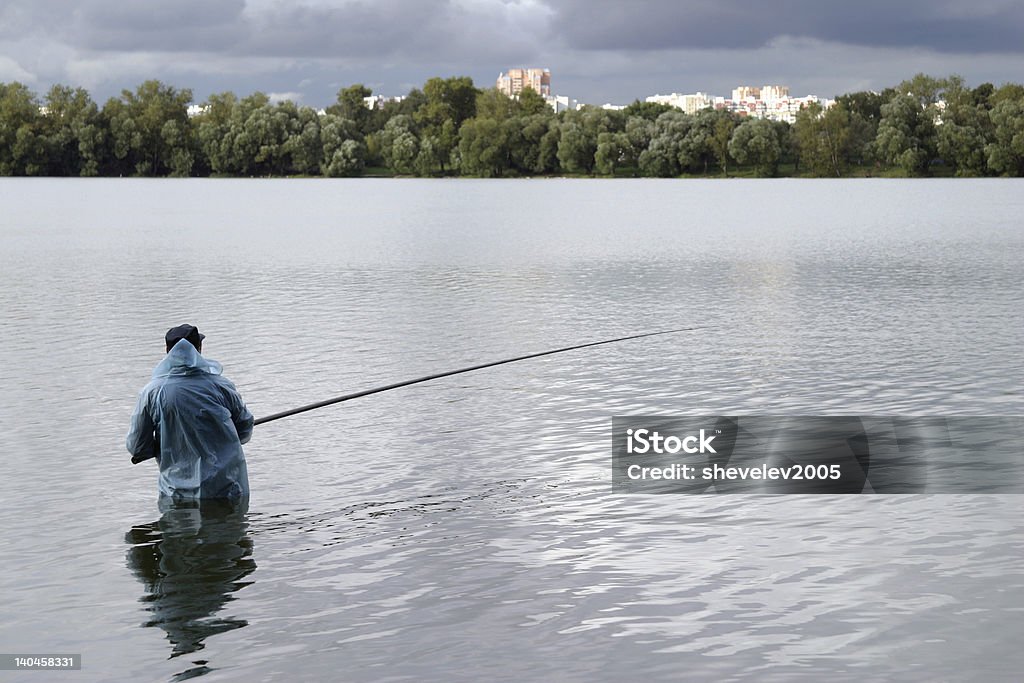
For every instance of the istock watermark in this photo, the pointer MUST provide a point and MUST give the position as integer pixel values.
(817, 454)
(649, 441)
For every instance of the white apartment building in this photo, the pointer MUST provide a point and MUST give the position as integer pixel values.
(690, 104)
(782, 109)
(375, 101)
(743, 93)
(774, 93)
(513, 82)
(560, 103)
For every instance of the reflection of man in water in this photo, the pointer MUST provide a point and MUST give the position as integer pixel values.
(190, 561)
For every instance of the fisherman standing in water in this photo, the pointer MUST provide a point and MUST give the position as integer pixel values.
(193, 421)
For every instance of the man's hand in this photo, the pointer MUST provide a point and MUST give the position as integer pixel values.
(155, 453)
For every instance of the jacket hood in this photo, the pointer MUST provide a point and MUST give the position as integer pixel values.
(183, 359)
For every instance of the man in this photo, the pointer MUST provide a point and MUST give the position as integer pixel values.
(193, 421)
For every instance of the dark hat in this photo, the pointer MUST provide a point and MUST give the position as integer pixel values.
(189, 332)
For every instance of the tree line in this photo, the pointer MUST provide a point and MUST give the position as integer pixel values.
(923, 126)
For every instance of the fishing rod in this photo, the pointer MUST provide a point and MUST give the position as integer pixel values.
(449, 373)
(439, 375)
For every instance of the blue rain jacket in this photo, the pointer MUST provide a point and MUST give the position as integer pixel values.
(193, 419)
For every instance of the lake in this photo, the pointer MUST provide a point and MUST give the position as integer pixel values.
(465, 529)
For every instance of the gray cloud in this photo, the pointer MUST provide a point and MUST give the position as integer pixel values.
(672, 24)
(598, 50)
(179, 26)
(341, 30)
(353, 30)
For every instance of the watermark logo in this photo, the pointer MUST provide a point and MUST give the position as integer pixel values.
(817, 454)
(650, 441)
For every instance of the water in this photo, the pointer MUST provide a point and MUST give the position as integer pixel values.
(464, 529)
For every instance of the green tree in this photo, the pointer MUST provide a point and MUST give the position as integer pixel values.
(22, 144)
(868, 105)
(517, 145)
(400, 144)
(351, 105)
(823, 139)
(647, 110)
(525, 136)
(575, 148)
(613, 150)
(1006, 151)
(925, 89)
(964, 131)
(254, 137)
(178, 141)
(245, 137)
(755, 142)
(447, 99)
(707, 141)
(578, 140)
(493, 104)
(449, 102)
(666, 146)
(720, 140)
(865, 109)
(483, 148)
(547, 152)
(344, 152)
(213, 130)
(150, 130)
(530, 103)
(982, 95)
(304, 145)
(787, 147)
(265, 133)
(639, 132)
(75, 136)
(374, 152)
(906, 134)
(384, 112)
(436, 147)
(1008, 91)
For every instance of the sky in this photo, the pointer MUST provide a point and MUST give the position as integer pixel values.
(598, 51)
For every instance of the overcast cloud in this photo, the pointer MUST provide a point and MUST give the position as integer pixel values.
(598, 50)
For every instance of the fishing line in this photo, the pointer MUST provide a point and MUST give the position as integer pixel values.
(397, 385)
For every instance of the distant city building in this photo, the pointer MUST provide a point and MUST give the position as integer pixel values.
(745, 92)
(377, 101)
(670, 100)
(783, 108)
(560, 103)
(786, 109)
(771, 93)
(690, 104)
(771, 102)
(695, 102)
(513, 82)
